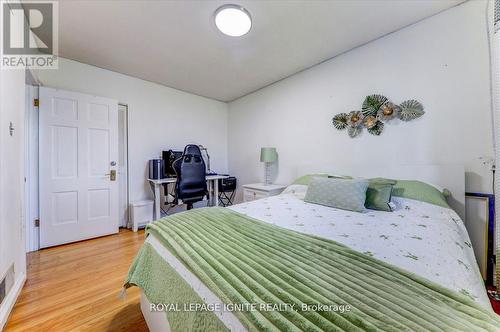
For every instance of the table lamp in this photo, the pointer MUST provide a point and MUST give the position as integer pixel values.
(268, 156)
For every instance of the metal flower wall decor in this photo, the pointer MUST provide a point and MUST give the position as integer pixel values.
(376, 110)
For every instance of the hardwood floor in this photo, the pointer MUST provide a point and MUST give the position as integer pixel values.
(75, 287)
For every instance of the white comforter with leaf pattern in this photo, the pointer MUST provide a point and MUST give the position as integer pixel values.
(422, 238)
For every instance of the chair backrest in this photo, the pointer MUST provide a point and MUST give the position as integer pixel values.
(227, 184)
(191, 184)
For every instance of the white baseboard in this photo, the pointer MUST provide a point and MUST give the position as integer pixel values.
(10, 300)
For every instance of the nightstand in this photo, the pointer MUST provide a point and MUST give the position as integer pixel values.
(255, 191)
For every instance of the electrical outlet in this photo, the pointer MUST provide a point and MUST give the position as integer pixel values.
(488, 161)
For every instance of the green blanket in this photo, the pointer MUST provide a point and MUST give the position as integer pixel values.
(243, 260)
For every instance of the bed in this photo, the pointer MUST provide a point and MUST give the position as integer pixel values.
(418, 256)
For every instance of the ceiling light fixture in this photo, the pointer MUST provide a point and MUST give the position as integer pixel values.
(233, 20)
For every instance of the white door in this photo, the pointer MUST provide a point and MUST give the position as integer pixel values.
(78, 155)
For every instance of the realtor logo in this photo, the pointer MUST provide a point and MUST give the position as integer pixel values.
(29, 35)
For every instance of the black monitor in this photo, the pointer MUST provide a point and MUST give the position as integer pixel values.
(169, 157)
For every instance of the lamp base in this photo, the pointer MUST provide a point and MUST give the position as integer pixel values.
(267, 174)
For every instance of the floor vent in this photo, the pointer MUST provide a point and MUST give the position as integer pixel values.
(6, 283)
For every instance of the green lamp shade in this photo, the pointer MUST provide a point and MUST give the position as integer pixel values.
(268, 155)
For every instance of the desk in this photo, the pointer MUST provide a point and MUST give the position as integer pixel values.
(212, 180)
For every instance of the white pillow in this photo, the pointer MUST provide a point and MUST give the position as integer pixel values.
(299, 190)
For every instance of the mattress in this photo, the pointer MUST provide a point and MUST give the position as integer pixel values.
(422, 238)
(428, 240)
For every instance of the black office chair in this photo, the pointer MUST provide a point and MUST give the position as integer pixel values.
(191, 184)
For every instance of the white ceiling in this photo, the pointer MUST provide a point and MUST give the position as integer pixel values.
(176, 43)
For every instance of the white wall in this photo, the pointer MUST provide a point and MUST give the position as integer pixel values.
(12, 230)
(160, 118)
(441, 61)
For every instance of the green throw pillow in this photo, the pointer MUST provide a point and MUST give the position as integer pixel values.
(419, 191)
(382, 181)
(343, 194)
(305, 179)
(378, 196)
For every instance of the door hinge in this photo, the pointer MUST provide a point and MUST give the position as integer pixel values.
(37, 222)
(36, 102)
